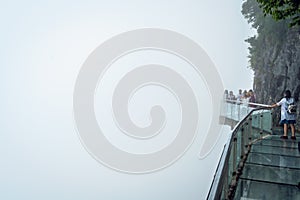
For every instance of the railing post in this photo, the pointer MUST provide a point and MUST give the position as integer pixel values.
(261, 124)
(231, 111)
(271, 121)
(250, 129)
(234, 154)
(239, 111)
(243, 142)
(226, 185)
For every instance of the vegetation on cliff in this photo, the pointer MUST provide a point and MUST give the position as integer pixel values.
(282, 9)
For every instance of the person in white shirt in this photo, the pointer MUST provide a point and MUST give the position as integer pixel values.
(286, 118)
(240, 95)
(231, 96)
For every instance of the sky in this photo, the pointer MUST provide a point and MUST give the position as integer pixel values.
(43, 47)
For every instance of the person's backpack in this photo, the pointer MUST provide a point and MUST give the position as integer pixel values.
(291, 108)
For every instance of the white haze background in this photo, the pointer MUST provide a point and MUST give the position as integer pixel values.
(43, 45)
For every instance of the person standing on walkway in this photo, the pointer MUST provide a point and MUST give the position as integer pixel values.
(252, 98)
(286, 118)
(240, 95)
(231, 96)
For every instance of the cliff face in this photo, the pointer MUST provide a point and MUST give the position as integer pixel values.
(274, 57)
(279, 69)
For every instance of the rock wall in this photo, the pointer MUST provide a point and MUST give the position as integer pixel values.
(278, 69)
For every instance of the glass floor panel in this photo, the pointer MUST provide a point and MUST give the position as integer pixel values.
(274, 160)
(278, 143)
(271, 174)
(276, 150)
(247, 190)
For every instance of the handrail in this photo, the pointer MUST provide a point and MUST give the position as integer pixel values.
(247, 103)
(216, 187)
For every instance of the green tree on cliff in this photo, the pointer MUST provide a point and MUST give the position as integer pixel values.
(282, 9)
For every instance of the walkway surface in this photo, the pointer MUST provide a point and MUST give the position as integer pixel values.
(272, 170)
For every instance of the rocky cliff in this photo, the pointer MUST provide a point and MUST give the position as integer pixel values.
(274, 56)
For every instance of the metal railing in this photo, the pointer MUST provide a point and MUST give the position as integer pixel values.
(255, 125)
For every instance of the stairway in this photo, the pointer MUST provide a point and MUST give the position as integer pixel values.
(256, 163)
(272, 170)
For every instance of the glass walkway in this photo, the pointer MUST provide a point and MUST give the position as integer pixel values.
(256, 163)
